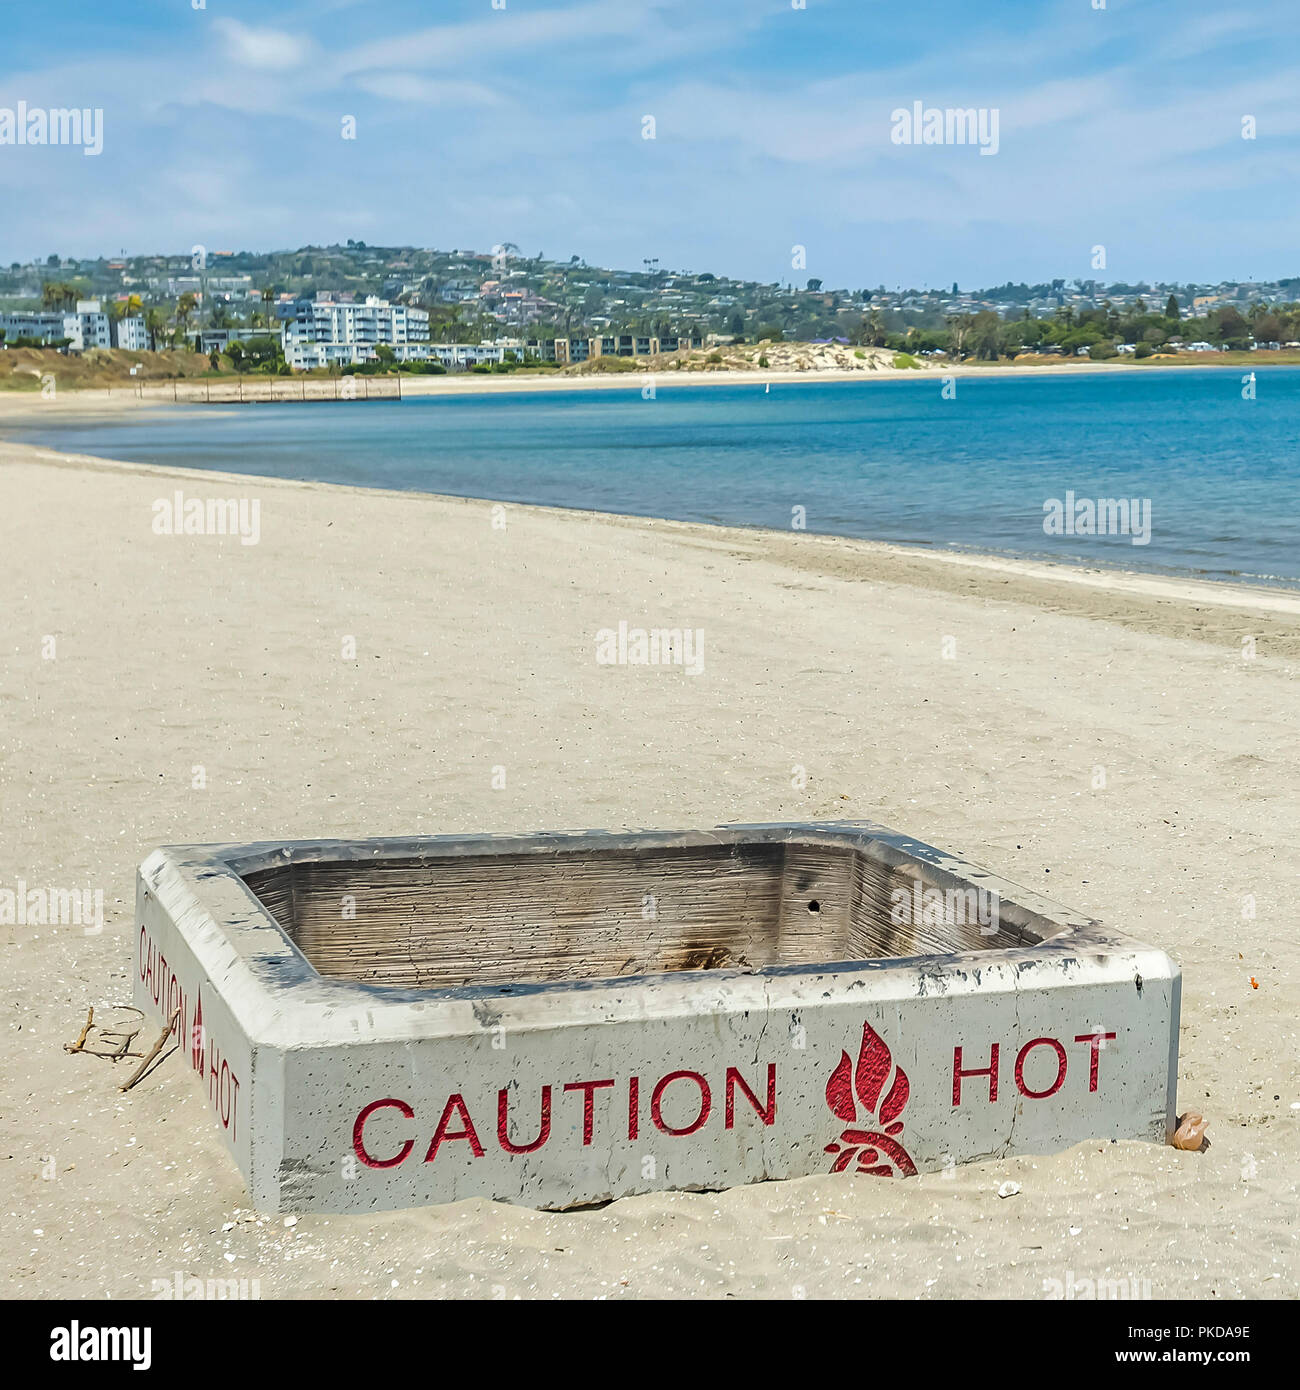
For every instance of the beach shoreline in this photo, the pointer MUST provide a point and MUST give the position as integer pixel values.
(111, 399)
(969, 570)
(1153, 581)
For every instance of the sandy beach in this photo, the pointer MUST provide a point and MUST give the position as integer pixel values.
(132, 660)
(152, 393)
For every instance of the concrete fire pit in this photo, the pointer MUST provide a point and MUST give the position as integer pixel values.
(561, 1019)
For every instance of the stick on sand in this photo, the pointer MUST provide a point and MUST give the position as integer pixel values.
(153, 1052)
(85, 1032)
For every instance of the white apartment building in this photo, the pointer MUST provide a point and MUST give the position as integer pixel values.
(466, 354)
(96, 329)
(130, 334)
(47, 327)
(87, 327)
(322, 331)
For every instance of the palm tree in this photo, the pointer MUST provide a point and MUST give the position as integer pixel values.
(185, 307)
(155, 321)
(57, 294)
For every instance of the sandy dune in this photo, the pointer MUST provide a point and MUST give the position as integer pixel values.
(475, 648)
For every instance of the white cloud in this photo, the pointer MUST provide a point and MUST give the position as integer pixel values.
(269, 49)
(425, 91)
(480, 41)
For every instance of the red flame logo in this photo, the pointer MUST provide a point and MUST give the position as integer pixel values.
(879, 1150)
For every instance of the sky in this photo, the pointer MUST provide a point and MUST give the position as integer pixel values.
(479, 122)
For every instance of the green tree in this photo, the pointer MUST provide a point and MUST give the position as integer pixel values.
(185, 307)
(256, 354)
(155, 322)
(959, 327)
(1231, 328)
(986, 335)
(1171, 308)
(266, 355)
(57, 294)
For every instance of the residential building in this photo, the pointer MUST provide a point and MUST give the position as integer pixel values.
(94, 324)
(465, 355)
(326, 330)
(131, 334)
(566, 350)
(86, 327)
(43, 327)
(208, 340)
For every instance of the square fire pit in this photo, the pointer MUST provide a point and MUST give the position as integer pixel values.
(561, 1019)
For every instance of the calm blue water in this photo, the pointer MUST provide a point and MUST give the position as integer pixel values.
(886, 460)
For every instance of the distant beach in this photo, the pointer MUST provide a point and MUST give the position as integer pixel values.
(132, 395)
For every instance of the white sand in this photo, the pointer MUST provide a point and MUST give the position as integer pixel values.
(475, 647)
(16, 405)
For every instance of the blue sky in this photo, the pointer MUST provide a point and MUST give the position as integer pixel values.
(1118, 126)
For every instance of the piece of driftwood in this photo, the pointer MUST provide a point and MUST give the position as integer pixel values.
(111, 1042)
(153, 1052)
(80, 1044)
(123, 1047)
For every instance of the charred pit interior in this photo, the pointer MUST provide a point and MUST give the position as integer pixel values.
(586, 914)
